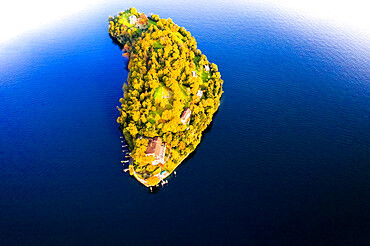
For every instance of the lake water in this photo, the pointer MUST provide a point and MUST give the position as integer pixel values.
(285, 161)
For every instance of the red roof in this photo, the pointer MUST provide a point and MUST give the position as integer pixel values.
(143, 19)
(186, 114)
(154, 146)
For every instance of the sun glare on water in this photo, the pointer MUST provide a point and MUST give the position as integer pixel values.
(17, 17)
(353, 14)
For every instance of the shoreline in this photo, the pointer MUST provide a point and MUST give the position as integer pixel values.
(143, 181)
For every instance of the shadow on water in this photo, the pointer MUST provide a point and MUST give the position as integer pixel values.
(155, 190)
(115, 41)
(120, 46)
(205, 132)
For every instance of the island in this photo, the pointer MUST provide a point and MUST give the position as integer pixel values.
(170, 97)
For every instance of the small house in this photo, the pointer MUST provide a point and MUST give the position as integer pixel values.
(156, 149)
(185, 116)
(142, 22)
(206, 68)
(194, 74)
(200, 93)
(132, 19)
(141, 26)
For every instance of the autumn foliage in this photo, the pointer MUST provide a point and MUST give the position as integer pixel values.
(160, 85)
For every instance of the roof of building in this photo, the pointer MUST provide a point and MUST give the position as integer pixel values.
(154, 146)
(186, 114)
(143, 19)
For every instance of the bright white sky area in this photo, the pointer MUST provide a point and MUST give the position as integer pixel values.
(17, 17)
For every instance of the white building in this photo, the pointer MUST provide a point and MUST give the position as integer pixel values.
(132, 19)
(200, 93)
(206, 68)
(194, 74)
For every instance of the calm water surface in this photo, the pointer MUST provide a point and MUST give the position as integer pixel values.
(285, 161)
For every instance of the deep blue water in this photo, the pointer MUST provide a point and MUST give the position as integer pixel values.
(285, 161)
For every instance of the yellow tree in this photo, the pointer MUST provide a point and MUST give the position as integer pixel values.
(133, 11)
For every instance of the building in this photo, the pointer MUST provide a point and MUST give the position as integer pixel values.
(142, 22)
(185, 116)
(156, 149)
(206, 68)
(200, 93)
(132, 19)
(141, 26)
(194, 74)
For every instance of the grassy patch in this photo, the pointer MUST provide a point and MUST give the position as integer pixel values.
(157, 45)
(123, 19)
(152, 120)
(196, 61)
(162, 93)
(152, 22)
(184, 94)
(163, 98)
(205, 76)
(158, 92)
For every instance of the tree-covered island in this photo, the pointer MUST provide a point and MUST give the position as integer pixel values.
(170, 97)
